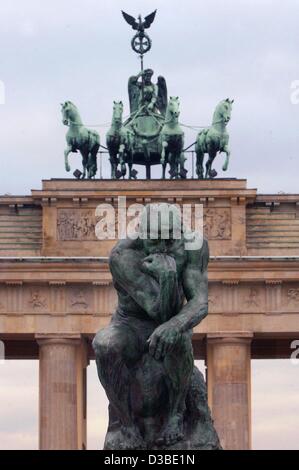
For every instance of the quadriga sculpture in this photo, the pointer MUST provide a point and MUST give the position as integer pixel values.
(80, 138)
(213, 140)
(113, 137)
(171, 140)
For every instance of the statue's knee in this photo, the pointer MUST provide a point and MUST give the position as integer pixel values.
(108, 342)
(101, 342)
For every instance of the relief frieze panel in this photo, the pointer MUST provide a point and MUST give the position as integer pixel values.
(76, 224)
(228, 298)
(80, 224)
(217, 223)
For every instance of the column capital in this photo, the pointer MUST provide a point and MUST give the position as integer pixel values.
(228, 337)
(63, 339)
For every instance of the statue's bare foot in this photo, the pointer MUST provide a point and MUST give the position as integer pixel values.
(172, 432)
(131, 439)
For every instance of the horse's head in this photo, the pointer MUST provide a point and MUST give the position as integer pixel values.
(118, 108)
(69, 112)
(173, 108)
(223, 112)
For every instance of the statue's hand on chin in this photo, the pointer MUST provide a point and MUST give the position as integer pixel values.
(163, 340)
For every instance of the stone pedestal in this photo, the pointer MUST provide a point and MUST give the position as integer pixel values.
(62, 392)
(228, 362)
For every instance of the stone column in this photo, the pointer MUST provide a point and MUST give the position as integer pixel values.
(229, 388)
(62, 392)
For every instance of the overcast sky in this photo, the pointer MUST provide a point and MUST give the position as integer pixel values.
(207, 50)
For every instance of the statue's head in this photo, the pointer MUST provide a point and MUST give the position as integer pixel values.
(66, 109)
(173, 108)
(223, 111)
(148, 73)
(160, 227)
(118, 108)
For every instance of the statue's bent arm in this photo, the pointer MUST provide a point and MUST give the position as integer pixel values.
(195, 284)
(125, 266)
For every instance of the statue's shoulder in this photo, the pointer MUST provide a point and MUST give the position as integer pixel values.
(122, 249)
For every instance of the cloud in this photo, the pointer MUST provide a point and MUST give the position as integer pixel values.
(207, 52)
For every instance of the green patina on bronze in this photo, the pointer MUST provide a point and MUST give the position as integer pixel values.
(144, 357)
(213, 140)
(152, 134)
(79, 138)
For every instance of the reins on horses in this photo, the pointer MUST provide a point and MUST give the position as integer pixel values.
(126, 117)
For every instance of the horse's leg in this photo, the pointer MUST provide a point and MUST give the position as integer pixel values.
(113, 165)
(163, 158)
(227, 152)
(89, 165)
(148, 171)
(163, 170)
(171, 161)
(130, 164)
(112, 168)
(176, 159)
(66, 160)
(199, 163)
(92, 162)
(84, 162)
(122, 160)
(212, 155)
(181, 164)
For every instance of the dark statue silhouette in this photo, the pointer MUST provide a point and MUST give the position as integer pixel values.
(144, 357)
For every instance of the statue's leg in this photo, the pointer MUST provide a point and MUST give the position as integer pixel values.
(93, 160)
(122, 159)
(173, 166)
(148, 171)
(163, 170)
(91, 164)
(113, 166)
(199, 414)
(178, 374)
(66, 160)
(177, 161)
(199, 164)
(212, 155)
(182, 169)
(117, 350)
(164, 158)
(84, 162)
(130, 164)
(226, 163)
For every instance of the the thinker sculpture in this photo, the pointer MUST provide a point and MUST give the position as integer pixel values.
(144, 357)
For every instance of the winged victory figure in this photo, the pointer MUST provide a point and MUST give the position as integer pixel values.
(152, 98)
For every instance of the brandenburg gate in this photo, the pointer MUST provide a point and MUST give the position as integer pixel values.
(56, 291)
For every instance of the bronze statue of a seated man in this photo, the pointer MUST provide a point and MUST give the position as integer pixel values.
(145, 357)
